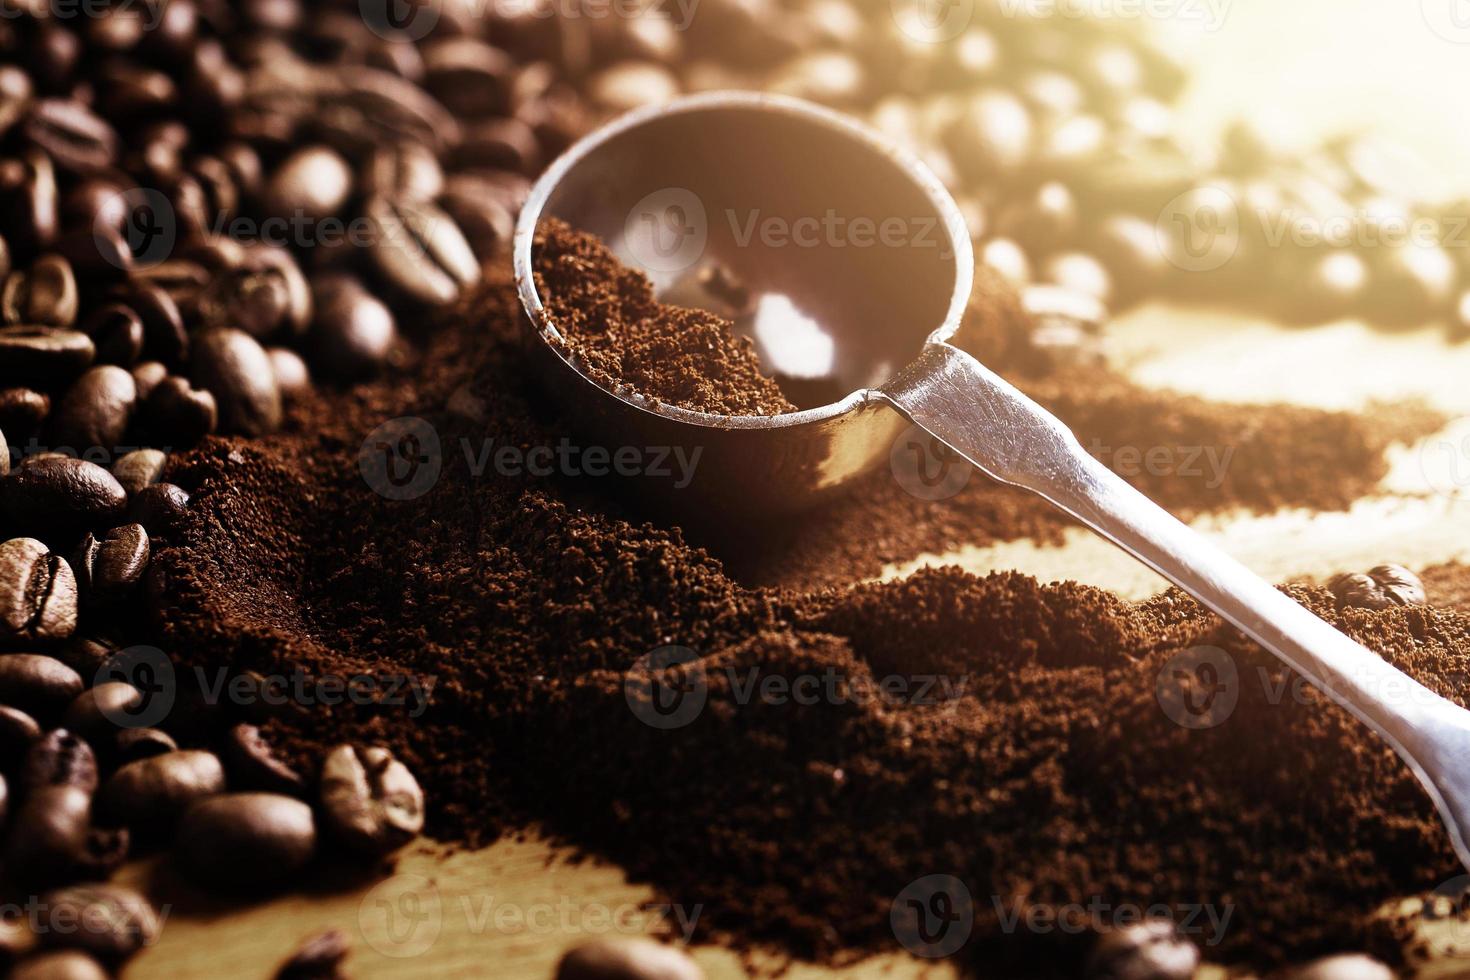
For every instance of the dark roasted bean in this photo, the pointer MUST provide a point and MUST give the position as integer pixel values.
(408, 171)
(1383, 587)
(149, 795)
(133, 744)
(38, 593)
(419, 250)
(234, 367)
(99, 712)
(96, 410)
(370, 801)
(40, 685)
(60, 964)
(468, 76)
(48, 833)
(18, 731)
(107, 568)
(498, 144)
(292, 375)
(319, 957)
(103, 852)
(28, 198)
(22, 411)
(72, 134)
(165, 338)
(159, 508)
(354, 332)
(179, 415)
(245, 838)
(138, 469)
(116, 921)
(254, 764)
(45, 295)
(61, 493)
(117, 332)
(147, 376)
(59, 758)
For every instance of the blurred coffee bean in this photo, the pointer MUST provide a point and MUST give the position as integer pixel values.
(178, 415)
(96, 203)
(314, 182)
(993, 137)
(127, 91)
(362, 108)
(59, 494)
(97, 713)
(22, 411)
(86, 655)
(633, 84)
(1344, 966)
(1043, 221)
(485, 213)
(370, 801)
(1383, 587)
(831, 77)
(1080, 272)
(354, 332)
(38, 593)
(469, 77)
(159, 508)
(116, 332)
(1006, 258)
(150, 794)
(75, 137)
(1059, 303)
(1072, 146)
(255, 300)
(221, 191)
(625, 958)
(48, 832)
(496, 144)
(1411, 284)
(254, 764)
(235, 839)
(138, 469)
(1332, 286)
(18, 732)
(95, 410)
(103, 852)
(28, 202)
(293, 377)
(108, 567)
(117, 921)
(1151, 950)
(164, 336)
(42, 686)
(319, 957)
(59, 758)
(16, 92)
(147, 376)
(61, 964)
(418, 249)
(45, 295)
(1129, 246)
(408, 171)
(135, 744)
(235, 369)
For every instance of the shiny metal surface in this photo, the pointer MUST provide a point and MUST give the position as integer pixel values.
(887, 313)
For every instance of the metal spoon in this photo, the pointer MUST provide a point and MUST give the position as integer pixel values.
(726, 186)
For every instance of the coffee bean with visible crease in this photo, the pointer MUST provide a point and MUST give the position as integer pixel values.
(4, 455)
(47, 834)
(236, 839)
(45, 295)
(1151, 950)
(138, 469)
(419, 250)
(635, 958)
(18, 732)
(98, 203)
(117, 332)
(28, 202)
(61, 964)
(38, 593)
(407, 171)
(178, 415)
(43, 356)
(498, 144)
(42, 686)
(370, 801)
(149, 795)
(62, 494)
(59, 758)
(117, 921)
(254, 764)
(354, 332)
(235, 369)
(319, 957)
(486, 220)
(96, 714)
(133, 744)
(471, 78)
(96, 410)
(160, 508)
(255, 300)
(361, 108)
(72, 134)
(107, 568)
(1383, 587)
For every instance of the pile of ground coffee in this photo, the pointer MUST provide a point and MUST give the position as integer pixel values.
(609, 320)
(1026, 753)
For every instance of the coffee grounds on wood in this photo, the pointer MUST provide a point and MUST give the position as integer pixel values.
(1049, 776)
(609, 320)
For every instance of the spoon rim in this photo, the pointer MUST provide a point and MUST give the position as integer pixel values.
(906, 161)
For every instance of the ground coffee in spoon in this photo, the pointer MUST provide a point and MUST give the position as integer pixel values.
(1023, 748)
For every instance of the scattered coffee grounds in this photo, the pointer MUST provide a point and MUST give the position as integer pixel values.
(609, 320)
(1025, 754)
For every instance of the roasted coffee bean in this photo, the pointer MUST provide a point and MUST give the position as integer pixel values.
(254, 764)
(1382, 587)
(28, 200)
(498, 144)
(135, 744)
(147, 376)
(16, 91)
(96, 410)
(73, 135)
(484, 212)
(18, 731)
(1008, 259)
(117, 332)
(178, 414)
(237, 839)
(63, 494)
(108, 567)
(103, 852)
(45, 295)
(85, 654)
(43, 355)
(116, 921)
(165, 338)
(1412, 284)
(22, 410)
(319, 957)
(1151, 950)
(370, 801)
(59, 758)
(217, 180)
(280, 262)
(160, 508)
(314, 183)
(47, 834)
(469, 77)
(95, 255)
(354, 332)
(235, 369)
(293, 377)
(98, 203)
(1079, 272)
(255, 300)
(419, 250)
(406, 171)
(634, 958)
(61, 964)
(99, 712)
(149, 795)
(41, 685)
(38, 593)
(993, 137)
(138, 469)
(1345, 966)
(362, 108)
(633, 84)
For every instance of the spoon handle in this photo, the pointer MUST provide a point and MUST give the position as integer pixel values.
(1012, 439)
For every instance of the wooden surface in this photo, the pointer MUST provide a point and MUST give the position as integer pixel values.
(510, 910)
